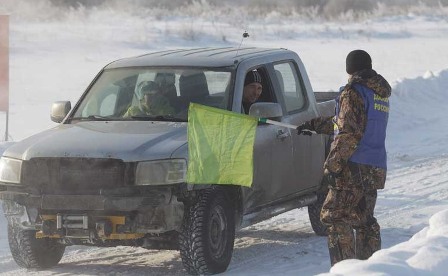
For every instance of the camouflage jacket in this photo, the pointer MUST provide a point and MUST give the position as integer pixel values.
(351, 120)
(161, 106)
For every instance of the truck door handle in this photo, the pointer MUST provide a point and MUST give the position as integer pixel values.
(282, 134)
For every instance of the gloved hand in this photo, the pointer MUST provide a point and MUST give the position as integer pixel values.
(330, 177)
(305, 129)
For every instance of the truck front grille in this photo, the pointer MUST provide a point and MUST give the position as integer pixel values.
(73, 175)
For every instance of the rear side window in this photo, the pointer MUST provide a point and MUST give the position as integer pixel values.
(290, 86)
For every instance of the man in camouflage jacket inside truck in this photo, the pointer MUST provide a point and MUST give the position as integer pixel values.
(356, 165)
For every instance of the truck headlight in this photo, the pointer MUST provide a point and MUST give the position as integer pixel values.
(10, 170)
(161, 172)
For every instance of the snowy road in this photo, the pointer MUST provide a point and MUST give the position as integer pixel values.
(414, 192)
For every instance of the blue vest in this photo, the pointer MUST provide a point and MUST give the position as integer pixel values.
(371, 150)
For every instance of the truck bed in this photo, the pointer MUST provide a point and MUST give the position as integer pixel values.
(325, 103)
(325, 96)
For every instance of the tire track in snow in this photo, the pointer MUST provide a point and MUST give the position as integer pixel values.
(414, 189)
(432, 172)
(287, 236)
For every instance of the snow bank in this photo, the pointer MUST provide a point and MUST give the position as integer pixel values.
(417, 124)
(426, 253)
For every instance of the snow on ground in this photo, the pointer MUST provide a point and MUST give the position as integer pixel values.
(426, 253)
(53, 61)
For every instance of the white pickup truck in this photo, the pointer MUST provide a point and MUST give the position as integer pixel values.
(102, 178)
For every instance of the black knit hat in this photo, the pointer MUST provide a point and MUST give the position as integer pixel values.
(148, 87)
(252, 76)
(358, 60)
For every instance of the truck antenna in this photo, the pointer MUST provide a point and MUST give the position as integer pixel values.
(245, 35)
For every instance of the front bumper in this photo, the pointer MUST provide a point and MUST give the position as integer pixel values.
(89, 202)
(153, 213)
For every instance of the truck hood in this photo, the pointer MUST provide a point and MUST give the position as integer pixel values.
(125, 140)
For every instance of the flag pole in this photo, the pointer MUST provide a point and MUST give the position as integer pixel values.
(272, 122)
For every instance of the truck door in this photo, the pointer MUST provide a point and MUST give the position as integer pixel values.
(308, 151)
(273, 157)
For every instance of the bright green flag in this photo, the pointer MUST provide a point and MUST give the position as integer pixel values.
(220, 146)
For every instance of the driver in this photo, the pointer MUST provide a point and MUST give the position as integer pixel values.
(152, 102)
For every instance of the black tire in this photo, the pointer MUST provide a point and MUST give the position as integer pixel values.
(314, 213)
(32, 253)
(208, 233)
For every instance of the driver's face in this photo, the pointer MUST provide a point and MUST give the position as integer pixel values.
(252, 92)
(149, 96)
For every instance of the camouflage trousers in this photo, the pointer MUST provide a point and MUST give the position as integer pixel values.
(348, 212)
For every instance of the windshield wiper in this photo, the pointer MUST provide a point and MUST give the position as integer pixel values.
(98, 118)
(92, 118)
(163, 118)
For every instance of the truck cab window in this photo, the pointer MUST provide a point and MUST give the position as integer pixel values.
(290, 86)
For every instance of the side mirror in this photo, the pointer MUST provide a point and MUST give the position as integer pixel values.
(59, 110)
(266, 110)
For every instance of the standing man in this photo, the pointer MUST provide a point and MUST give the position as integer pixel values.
(357, 163)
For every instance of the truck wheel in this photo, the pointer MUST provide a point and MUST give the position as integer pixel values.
(30, 252)
(208, 233)
(314, 213)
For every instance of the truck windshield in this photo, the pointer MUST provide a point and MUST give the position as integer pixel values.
(153, 93)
